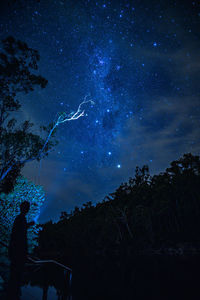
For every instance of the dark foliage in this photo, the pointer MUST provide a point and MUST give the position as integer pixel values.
(143, 214)
(18, 144)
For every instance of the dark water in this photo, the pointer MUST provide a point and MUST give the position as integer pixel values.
(154, 277)
(141, 277)
(47, 281)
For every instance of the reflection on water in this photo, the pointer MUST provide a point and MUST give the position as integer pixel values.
(34, 292)
(29, 292)
(46, 282)
(133, 278)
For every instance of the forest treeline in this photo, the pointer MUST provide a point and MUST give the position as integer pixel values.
(147, 212)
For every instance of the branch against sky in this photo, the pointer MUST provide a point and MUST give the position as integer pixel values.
(62, 118)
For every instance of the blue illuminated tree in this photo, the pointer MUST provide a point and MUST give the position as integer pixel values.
(10, 208)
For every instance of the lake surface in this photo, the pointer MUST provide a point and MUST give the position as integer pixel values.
(33, 292)
(133, 278)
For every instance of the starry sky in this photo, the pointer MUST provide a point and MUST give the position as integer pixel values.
(138, 61)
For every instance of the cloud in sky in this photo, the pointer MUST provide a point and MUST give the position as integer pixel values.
(169, 128)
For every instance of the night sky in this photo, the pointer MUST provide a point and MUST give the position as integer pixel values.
(138, 61)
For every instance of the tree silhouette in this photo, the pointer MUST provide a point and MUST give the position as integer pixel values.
(147, 212)
(18, 74)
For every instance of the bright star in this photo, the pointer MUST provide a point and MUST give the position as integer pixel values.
(118, 166)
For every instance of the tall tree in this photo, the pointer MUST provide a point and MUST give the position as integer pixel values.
(18, 74)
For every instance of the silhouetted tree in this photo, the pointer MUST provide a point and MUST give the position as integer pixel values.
(18, 74)
(144, 213)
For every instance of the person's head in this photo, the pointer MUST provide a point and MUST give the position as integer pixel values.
(24, 207)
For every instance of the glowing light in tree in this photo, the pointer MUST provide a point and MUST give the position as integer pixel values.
(10, 208)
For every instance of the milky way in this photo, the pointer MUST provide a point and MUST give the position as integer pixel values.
(138, 61)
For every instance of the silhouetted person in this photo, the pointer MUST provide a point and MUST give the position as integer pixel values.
(18, 250)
